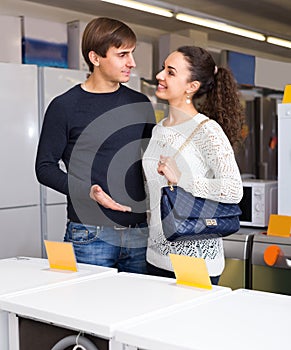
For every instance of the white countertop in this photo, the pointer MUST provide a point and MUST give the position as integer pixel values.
(100, 306)
(241, 320)
(21, 273)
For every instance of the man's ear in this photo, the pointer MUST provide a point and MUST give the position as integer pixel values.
(94, 58)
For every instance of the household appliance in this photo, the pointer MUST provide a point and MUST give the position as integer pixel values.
(274, 276)
(284, 159)
(265, 315)
(258, 156)
(259, 200)
(19, 188)
(39, 318)
(237, 253)
(24, 273)
(51, 83)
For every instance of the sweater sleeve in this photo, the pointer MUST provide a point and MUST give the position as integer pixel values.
(219, 177)
(52, 143)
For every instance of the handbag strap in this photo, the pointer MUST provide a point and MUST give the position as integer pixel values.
(186, 143)
(190, 137)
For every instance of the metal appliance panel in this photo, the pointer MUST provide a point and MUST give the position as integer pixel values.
(237, 252)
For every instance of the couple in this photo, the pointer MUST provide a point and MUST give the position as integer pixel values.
(100, 128)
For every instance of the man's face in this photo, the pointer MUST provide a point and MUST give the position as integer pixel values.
(117, 64)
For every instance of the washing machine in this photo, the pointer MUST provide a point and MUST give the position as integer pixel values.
(34, 335)
(271, 264)
(238, 252)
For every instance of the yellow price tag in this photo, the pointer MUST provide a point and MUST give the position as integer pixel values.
(61, 255)
(287, 94)
(191, 271)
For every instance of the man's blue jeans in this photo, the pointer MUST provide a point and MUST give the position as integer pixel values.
(122, 248)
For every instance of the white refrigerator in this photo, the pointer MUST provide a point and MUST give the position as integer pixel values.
(284, 158)
(19, 190)
(53, 82)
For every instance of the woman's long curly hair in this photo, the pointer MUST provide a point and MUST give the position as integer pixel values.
(219, 91)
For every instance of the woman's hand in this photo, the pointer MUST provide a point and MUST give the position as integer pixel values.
(98, 195)
(168, 168)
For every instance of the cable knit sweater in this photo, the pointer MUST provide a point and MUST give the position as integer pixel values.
(208, 169)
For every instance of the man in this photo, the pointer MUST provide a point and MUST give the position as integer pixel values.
(99, 129)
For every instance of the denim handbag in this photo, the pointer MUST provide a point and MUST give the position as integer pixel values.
(185, 217)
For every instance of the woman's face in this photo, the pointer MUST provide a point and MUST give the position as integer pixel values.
(173, 80)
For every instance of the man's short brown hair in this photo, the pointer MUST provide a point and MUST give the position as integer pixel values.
(102, 33)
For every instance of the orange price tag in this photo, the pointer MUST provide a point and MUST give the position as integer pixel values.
(61, 255)
(191, 271)
(279, 225)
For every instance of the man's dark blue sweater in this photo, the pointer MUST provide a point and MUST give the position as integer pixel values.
(99, 137)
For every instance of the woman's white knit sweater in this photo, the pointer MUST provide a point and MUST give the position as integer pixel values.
(209, 170)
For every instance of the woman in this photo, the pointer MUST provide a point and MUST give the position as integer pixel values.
(206, 167)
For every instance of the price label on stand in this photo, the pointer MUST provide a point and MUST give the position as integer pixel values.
(61, 255)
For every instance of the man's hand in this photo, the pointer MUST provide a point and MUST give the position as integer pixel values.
(98, 195)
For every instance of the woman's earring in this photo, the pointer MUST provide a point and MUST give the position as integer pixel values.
(188, 100)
